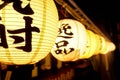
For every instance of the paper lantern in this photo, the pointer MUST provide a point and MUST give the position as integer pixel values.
(71, 40)
(93, 45)
(96, 45)
(111, 47)
(107, 46)
(28, 30)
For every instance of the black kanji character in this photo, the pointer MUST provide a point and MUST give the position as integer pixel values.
(66, 30)
(17, 6)
(61, 43)
(28, 36)
(3, 36)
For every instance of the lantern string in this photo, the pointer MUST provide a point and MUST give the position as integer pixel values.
(63, 12)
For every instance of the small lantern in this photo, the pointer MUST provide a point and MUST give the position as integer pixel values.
(28, 30)
(96, 45)
(93, 45)
(71, 40)
(107, 46)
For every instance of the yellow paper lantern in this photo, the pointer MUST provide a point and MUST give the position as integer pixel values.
(96, 45)
(28, 30)
(71, 40)
(93, 45)
(107, 46)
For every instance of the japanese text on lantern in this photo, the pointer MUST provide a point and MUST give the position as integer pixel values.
(27, 30)
(65, 33)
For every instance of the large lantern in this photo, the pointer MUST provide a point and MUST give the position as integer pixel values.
(28, 30)
(71, 40)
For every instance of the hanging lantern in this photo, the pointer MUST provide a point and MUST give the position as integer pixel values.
(28, 30)
(93, 45)
(107, 46)
(110, 47)
(96, 45)
(71, 40)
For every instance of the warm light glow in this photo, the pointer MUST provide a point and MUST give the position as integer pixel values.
(96, 45)
(27, 30)
(111, 46)
(71, 41)
(75, 42)
(107, 46)
(93, 45)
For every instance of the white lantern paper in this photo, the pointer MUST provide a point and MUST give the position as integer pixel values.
(71, 40)
(28, 30)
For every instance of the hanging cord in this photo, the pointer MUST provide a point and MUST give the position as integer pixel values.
(63, 12)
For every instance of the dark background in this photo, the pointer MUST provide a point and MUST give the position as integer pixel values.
(97, 9)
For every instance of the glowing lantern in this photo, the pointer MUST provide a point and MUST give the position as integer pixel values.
(71, 40)
(93, 45)
(96, 45)
(110, 47)
(28, 30)
(107, 46)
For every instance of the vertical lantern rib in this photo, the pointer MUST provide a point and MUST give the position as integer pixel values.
(3, 20)
(43, 26)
